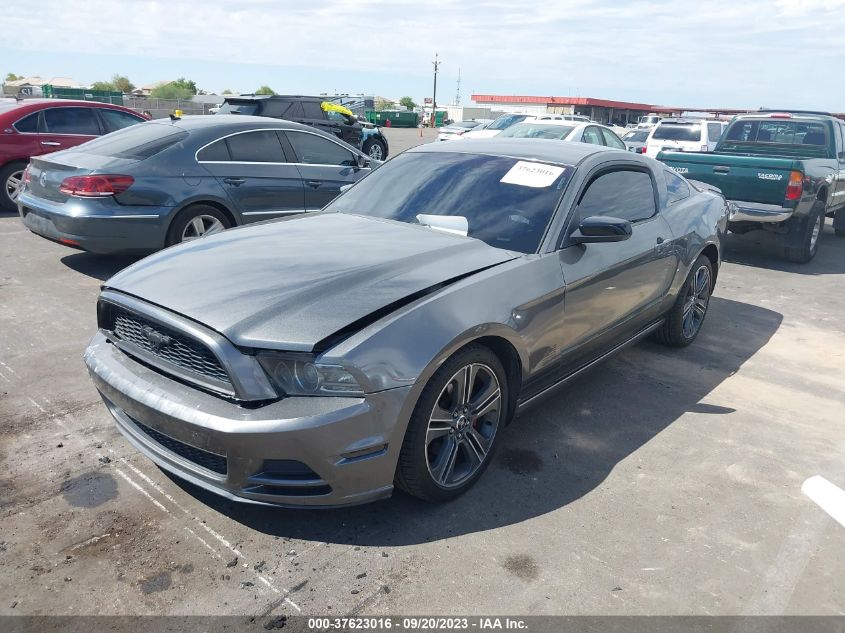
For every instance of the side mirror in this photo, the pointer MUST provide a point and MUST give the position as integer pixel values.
(363, 161)
(602, 228)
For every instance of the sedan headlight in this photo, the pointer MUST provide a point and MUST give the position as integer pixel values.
(302, 375)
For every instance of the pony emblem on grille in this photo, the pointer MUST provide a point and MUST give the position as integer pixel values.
(156, 339)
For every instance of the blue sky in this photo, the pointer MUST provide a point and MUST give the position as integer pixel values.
(774, 53)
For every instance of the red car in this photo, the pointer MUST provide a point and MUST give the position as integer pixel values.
(39, 126)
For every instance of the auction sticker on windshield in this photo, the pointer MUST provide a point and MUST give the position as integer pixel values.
(532, 174)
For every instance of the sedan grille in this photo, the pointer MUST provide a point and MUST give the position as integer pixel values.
(167, 344)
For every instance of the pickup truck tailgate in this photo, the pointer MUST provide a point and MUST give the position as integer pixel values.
(750, 178)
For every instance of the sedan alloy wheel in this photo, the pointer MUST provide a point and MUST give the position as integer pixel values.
(200, 226)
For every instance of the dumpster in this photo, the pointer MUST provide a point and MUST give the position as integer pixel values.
(397, 118)
(82, 94)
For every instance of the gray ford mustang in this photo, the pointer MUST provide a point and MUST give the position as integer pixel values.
(321, 359)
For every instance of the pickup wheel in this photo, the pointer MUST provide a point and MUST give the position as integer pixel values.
(683, 322)
(806, 238)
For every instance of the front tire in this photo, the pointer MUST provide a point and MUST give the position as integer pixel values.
(196, 221)
(809, 231)
(455, 426)
(683, 322)
(11, 180)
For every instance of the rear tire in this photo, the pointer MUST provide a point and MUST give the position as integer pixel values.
(195, 221)
(451, 437)
(375, 149)
(683, 322)
(11, 183)
(810, 230)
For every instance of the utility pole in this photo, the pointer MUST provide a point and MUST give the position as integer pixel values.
(458, 92)
(434, 95)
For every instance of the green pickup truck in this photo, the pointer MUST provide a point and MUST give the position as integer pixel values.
(781, 171)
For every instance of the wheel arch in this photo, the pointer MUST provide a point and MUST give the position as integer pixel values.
(711, 252)
(210, 202)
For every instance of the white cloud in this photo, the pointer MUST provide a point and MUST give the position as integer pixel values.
(714, 53)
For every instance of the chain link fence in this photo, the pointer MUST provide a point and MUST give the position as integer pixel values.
(161, 108)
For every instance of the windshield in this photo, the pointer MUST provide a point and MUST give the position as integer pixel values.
(506, 120)
(136, 142)
(678, 132)
(537, 130)
(239, 108)
(508, 203)
(636, 137)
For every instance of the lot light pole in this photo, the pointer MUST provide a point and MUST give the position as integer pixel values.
(434, 94)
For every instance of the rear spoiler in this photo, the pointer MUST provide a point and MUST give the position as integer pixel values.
(703, 186)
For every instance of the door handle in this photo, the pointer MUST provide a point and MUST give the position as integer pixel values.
(51, 143)
(313, 183)
(721, 169)
(237, 182)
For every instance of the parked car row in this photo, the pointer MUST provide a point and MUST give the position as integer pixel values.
(382, 334)
(40, 126)
(169, 181)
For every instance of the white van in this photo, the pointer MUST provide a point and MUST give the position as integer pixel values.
(684, 135)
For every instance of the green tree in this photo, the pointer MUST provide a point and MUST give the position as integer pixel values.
(102, 85)
(13, 77)
(407, 102)
(265, 90)
(171, 91)
(185, 84)
(180, 89)
(119, 83)
(227, 92)
(122, 83)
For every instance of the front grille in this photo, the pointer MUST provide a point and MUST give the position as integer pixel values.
(168, 344)
(210, 461)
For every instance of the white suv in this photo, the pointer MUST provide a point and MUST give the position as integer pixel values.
(507, 120)
(684, 135)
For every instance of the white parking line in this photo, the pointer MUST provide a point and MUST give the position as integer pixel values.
(827, 496)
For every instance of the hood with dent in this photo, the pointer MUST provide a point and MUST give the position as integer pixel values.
(292, 283)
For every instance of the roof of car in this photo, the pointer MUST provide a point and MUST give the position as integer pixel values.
(523, 148)
(253, 97)
(10, 104)
(200, 121)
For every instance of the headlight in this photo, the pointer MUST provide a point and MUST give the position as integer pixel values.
(302, 375)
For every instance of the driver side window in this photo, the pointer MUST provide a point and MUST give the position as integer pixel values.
(625, 194)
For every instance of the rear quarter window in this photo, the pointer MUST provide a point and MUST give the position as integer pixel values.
(136, 142)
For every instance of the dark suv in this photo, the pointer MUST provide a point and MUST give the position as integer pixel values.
(309, 111)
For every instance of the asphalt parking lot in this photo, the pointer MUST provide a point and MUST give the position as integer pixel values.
(664, 482)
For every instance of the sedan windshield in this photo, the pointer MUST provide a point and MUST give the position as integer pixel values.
(537, 130)
(507, 203)
(678, 132)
